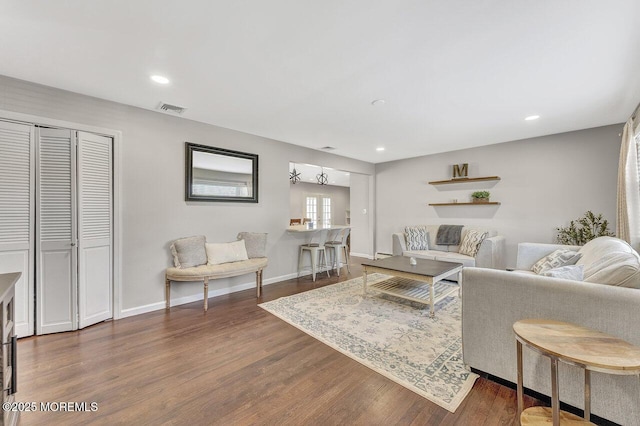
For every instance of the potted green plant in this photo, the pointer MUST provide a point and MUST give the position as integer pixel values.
(584, 229)
(480, 196)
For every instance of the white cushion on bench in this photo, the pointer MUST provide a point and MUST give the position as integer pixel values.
(223, 270)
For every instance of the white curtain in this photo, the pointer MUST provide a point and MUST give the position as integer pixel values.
(628, 211)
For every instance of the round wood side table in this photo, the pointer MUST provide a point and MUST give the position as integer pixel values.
(574, 345)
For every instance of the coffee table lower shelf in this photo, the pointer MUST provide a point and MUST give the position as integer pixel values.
(410, 290)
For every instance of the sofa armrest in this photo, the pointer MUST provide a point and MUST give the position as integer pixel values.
(492, 300)
(530, 253)
(399, 243)
(491, 253)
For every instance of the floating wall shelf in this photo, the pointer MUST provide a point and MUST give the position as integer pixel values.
(490, 203)
(464, 180)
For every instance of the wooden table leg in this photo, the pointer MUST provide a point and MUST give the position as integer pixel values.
(520, 379)
(206, 294)
(432, 309)
(364, 280)
(167, 292)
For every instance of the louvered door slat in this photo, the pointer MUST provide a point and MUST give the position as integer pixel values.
(16, 216)
(55, 185)
(15, 183)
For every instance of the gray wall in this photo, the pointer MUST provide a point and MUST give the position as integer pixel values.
(153, 208)
(339, 198)
(546, 182)
(362, 215)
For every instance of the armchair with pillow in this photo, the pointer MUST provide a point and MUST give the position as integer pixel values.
(596, 286)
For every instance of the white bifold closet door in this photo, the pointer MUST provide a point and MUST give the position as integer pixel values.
(16, 216)
(56, 254)
(95, 225)
(73, 230)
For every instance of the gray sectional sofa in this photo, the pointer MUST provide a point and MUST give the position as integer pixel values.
(607, 300)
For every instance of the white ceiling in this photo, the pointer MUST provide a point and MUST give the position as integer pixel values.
(454, 74)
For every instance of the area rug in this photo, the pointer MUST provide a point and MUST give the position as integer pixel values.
(392, 336)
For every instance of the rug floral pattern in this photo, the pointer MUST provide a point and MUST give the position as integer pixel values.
(392, 336)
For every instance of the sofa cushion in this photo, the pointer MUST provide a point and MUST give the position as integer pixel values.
(471, 242)
(442, 256)
(560, 257)
(218, 253)
(189, 251)
(456, 257)
(567, 272)
(417, 238)
(611, 261)
(224, 270)
(255, 243)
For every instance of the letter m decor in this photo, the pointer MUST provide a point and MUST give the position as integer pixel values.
(460, 172)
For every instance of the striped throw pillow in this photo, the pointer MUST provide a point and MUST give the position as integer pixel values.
(417, 238)
(560, 257)
(471, 242)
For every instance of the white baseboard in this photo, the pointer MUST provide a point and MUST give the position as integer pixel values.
(200, 295)
(366, 256)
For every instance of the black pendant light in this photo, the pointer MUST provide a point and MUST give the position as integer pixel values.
(294, 175)
(322, 178)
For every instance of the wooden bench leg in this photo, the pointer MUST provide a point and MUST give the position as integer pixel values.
(258, 282)
(167, 291)
(206, 294)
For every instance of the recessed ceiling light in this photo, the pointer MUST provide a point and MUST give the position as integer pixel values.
(160, 79)
(532, 117)
(380, 148)
(378, 102)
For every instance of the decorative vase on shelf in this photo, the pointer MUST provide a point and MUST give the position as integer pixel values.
(480, 200)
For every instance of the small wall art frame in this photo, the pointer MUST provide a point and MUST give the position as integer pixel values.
(217, 174)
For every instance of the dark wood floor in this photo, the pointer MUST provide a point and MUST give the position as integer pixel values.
(235, 364)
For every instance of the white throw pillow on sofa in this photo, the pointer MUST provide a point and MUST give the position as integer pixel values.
(560, 257)
(567, 272)
(218, 253)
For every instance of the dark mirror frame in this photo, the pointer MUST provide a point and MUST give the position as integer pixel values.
(190, 148)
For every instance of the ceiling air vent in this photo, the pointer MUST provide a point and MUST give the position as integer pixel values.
(171, 108)
(328, 148)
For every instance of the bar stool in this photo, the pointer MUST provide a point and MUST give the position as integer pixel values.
(339, 246)
(316, 249)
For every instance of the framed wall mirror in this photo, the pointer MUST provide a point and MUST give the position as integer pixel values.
(216, 174)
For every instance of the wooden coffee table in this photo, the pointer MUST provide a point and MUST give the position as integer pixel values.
(424, 271)
(575, 345)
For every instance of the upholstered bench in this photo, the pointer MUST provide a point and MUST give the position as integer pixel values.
(196, 260)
